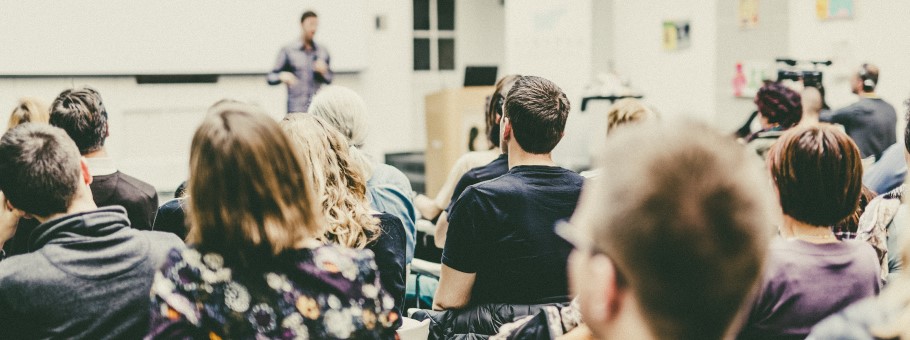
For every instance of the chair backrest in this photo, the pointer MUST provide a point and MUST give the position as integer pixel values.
(414, 330)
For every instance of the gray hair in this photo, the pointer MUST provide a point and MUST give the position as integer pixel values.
(344, 109)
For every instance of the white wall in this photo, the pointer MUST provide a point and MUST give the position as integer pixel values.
(553, 39)
(679, 83)
(874, 35)
(765, 42)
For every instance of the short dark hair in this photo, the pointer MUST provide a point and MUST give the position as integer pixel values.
(818, 172)
(39, 169)
(907, 127)
(308, 14)
(537, 110)
(779, 104)
(687, 190)
(81, 113)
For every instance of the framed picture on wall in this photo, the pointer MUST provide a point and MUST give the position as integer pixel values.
(748, 14)
(834, 9)
(676, 35)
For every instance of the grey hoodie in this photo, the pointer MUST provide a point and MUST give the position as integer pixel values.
(86, 275)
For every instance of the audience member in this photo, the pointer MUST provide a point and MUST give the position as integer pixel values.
(341, 191)
(256, 269)
(495, 168)
(811, 99)
(817, 172)
(81, 113)
(28, 110)
(88, 274)
(886, 223)
(387, 187)
(685, 188)
(429, 208)
(871, 121)
(884, 317)
(500, 245)
(779, 108)
(625, 112)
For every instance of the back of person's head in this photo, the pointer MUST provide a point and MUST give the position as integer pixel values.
(686, 228)
(28, 110)
(907, 127)
(628, 111)
(818, 173)
(868, 76)
(495, 107)
(248, 192)
(337, 178)
(40, 169)
(537, 110)
(345, 110)
(81, 113)
(811, 100)
(779, 104)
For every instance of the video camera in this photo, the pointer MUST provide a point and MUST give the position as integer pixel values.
(811, 77)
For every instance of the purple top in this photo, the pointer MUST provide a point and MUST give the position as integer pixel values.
(806, 282)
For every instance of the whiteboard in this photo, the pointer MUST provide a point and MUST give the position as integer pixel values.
(128, 37)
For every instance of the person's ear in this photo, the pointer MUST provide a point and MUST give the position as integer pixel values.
(607, 300)
(86, 175)
(506, 129)
(17, 211)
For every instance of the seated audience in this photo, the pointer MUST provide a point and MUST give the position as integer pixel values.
(28, 110)
(81, 113)
(685, 188)
(625, 112)
(811, 274)
(88, 273)
(811, 101)
(340, 189)
(256, 269)
(429, 208)
(495, 168)
(871, 122)
(779, 108)
(388, 188)
(883, 317)
(886, 223)
(500, 246)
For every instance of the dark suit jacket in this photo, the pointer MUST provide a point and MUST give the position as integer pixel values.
(139, 198)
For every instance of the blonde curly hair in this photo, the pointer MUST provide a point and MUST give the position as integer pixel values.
(338, 180)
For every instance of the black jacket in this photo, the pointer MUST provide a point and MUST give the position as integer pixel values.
(476, 322)
(139, 198)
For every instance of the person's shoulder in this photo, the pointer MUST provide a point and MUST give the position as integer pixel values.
(21, 268)
(851, 323)
(341, 258)
(136, 184)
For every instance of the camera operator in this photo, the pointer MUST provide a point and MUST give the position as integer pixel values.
(871, 121)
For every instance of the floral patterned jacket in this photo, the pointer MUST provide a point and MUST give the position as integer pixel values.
(329, 292)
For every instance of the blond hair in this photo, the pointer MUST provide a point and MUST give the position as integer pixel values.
(338, 180)
(248, 196)
(626, 111)
(28, 110)
(345, 110)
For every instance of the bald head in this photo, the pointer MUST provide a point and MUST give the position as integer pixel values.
(812, 105)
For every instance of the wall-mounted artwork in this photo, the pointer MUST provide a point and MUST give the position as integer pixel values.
(834, 9)
(677, 35)
(748, 13)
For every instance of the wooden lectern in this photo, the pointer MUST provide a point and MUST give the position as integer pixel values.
(450, 115)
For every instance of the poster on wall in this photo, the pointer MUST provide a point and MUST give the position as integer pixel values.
(834, 9)
(748, 14)
(676, 35)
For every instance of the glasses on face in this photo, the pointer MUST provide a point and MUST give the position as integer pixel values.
(570, 233)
